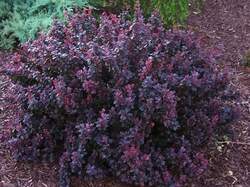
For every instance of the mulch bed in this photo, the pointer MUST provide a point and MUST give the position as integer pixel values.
(225, 26)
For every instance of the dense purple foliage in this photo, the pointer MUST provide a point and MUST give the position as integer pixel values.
(118, 98)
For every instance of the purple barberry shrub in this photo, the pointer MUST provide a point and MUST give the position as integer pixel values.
(120, 98)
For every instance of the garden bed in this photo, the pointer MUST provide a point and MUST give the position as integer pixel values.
(224, 24)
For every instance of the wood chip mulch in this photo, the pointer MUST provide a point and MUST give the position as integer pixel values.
(226, 26)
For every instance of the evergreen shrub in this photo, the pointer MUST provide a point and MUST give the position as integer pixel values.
(22, 20)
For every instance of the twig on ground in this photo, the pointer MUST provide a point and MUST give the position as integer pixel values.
(238, 143)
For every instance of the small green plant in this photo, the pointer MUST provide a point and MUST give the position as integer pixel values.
(171, 11)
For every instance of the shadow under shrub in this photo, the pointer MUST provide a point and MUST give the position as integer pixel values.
(117, 98)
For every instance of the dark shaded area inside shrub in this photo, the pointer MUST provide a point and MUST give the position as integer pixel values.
(118, 98)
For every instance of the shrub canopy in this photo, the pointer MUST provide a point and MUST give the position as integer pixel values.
(117, 98)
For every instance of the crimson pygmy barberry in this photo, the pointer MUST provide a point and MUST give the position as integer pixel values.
(118, 98)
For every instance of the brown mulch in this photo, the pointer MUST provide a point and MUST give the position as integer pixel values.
(229, 160)
(225, 25)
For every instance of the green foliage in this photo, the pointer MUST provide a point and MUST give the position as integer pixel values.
(172, 11)
(29, 17)
(5, 9)
(5, 13)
